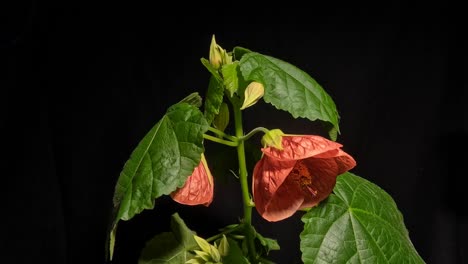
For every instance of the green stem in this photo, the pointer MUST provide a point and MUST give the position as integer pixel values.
(221, 141)
(225, 232)
(244, 182)
(222, 134)
(253, 132)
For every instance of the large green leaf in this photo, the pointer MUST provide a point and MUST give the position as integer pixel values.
(289, 88)
(214, 99)
(359, 223)
(238, 52)
(170, 247)
(162, 161)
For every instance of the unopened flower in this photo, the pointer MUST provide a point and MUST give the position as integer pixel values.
(252, 94)
(299, 176)
(216, 54)
(198, 188)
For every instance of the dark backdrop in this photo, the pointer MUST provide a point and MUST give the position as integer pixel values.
(83, 85)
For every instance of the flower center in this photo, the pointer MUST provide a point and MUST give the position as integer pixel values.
(304, 177)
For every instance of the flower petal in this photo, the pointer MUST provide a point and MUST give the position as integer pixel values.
(198, 189)
(285, 201)
(268, 175)
(301, 147)
(323, 172)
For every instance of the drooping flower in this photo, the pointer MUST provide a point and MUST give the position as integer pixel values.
(198, 189)
(299, 176)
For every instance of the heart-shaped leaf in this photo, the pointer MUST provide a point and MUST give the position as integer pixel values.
(359, 223)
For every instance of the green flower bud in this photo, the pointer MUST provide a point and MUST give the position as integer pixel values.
(223, 246)
(221, 120)
(216, 54)
(252, 94)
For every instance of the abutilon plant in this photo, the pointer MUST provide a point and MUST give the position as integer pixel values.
(347, 219)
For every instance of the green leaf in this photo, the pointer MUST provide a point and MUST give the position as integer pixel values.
(289, 88)
(359, 223)
(193, 99)
(333, 133)
(170, 247)
(162, 161)
(214, 99)
(267, 243)
(211, 69)
(239, 52)
(230, 77)
(235, 255)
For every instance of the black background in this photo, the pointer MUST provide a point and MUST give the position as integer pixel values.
(84, 84)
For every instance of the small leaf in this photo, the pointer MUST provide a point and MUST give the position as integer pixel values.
(214, 99)
(268, 243)
(169, 247)
(289, 88)
(359, 223)
(235, 254)
(230, 76)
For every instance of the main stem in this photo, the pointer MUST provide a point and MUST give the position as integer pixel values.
(244, 182)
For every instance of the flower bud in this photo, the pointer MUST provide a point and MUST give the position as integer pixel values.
(221, 120)
(252, 94)
(216, 54)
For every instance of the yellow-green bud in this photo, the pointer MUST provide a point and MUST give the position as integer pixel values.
(252, 94)
(223, 246)
(216, 54)
(273, 138)
(221, 120)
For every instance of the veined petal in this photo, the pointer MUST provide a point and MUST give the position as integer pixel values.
(299, 176)
(199, 187)
(268, 175)
(301, 147)
(284, 202)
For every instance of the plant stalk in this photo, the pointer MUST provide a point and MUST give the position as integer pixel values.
(244, 182)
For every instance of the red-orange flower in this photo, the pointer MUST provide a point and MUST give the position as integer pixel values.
(299, 176)
(198, 189)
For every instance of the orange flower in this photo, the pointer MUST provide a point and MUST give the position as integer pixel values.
(299, 176)
(198, 189)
